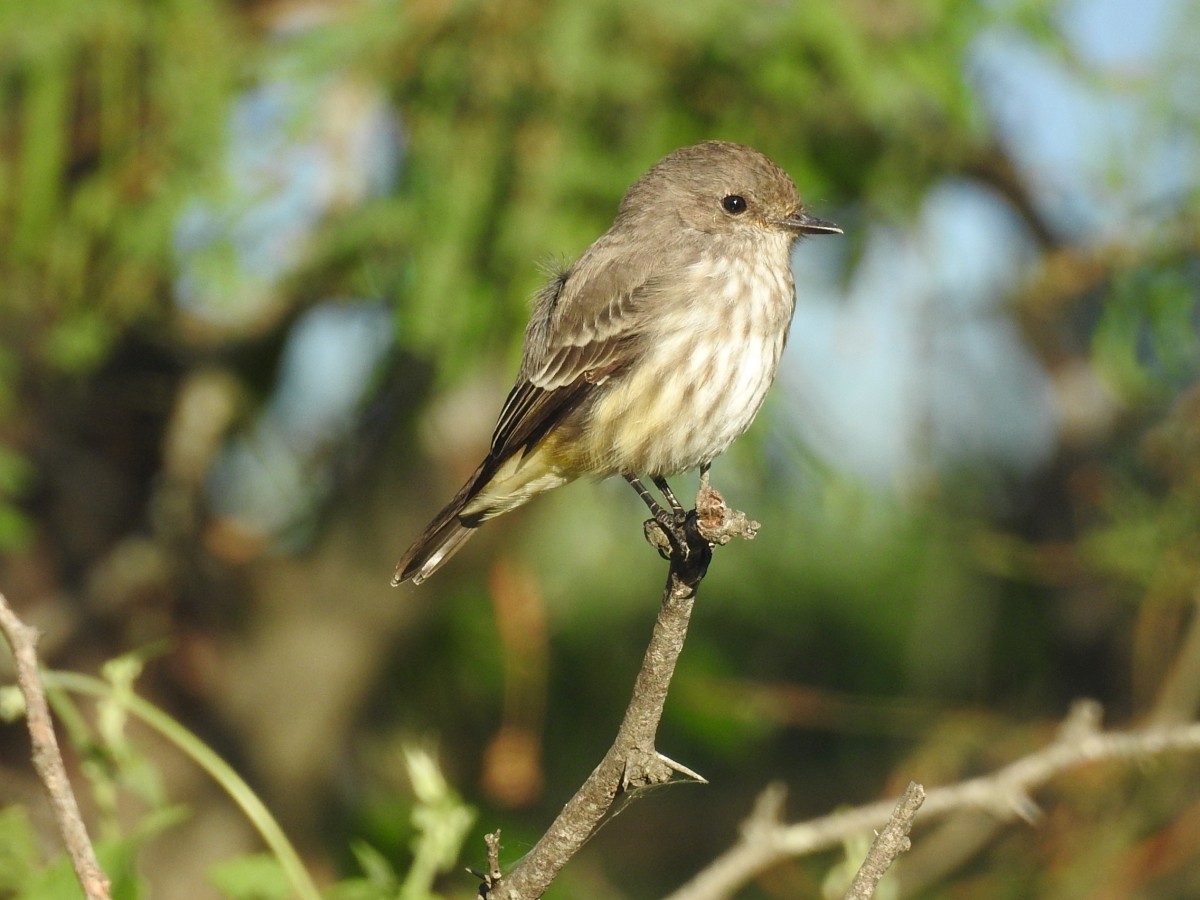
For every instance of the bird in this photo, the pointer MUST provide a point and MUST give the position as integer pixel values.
(653, 351)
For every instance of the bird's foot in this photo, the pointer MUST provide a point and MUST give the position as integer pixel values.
(678, 538)
(685, 538)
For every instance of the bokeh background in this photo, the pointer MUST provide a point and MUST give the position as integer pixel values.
(264, 268)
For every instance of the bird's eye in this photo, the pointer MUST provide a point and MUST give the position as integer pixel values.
(735, 204)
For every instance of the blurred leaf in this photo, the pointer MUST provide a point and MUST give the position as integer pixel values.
(16, 529)
(118, 107)
(16, 472)
(377, 868)
(19, 857)
(1147, 340)
(80, 343)
(57, 881)
(256, 877)
(441, 819)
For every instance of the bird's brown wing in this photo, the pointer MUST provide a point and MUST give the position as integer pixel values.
(586, 326)
(567, 355)
(531, 411)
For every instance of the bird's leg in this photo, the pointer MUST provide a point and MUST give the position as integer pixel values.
(656, 510)
(670, 526)
(676, 506)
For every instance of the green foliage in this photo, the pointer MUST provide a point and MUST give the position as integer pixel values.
(118, 701)
(254, 877)
(1146, 342)
(15, 475)
(25, 875)
(113, 115)
(18, 849)
(441, 820)
(116, 767)
(557, 107)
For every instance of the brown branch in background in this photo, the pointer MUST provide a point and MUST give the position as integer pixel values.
(766, 840)
(994, 168)
(1179, 695)
(888, 845)
(47, 759)
(633, 761)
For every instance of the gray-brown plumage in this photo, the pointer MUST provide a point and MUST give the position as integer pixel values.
(652, 352)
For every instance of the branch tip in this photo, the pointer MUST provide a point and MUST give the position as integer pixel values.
(681, 769)
(767, 813)
(491, 879)
(889, 843)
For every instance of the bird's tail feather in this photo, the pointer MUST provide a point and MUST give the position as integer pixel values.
(445, 534)
(498, 486)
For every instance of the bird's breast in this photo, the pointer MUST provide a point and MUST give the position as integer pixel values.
(707, 362)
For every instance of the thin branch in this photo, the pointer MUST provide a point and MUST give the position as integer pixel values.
(889, 844)
(47, 759)
(766, 840)
(633, 761)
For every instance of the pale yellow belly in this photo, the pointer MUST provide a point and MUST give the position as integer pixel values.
(681, 407)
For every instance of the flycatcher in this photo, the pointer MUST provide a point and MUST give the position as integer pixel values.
(652, 352)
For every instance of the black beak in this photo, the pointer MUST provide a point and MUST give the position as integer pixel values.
(803, 223)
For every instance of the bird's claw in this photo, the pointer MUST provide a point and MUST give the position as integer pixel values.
(676, 537)
(661, 535)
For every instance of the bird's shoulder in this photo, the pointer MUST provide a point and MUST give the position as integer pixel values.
(591, 309)
(588, 322)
